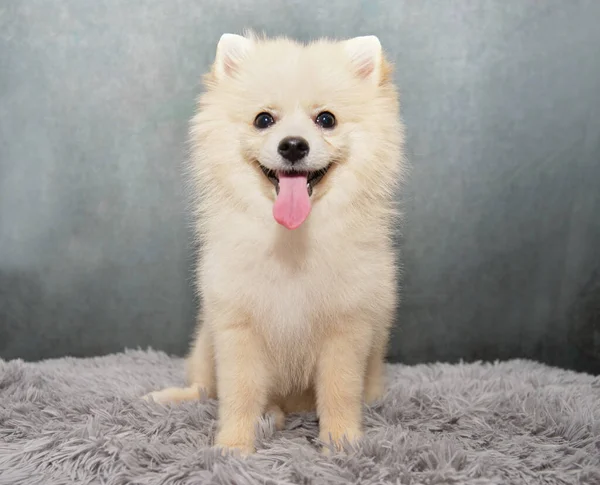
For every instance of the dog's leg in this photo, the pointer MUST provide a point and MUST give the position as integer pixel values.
(200, 373)
(242, 387)
(278, 415)
(375, 372)
(340, 383)
(374, 375)
(200, 364)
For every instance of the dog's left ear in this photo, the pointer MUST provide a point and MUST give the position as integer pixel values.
(231, 49)
(365, 56)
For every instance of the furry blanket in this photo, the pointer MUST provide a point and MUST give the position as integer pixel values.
(79, 421)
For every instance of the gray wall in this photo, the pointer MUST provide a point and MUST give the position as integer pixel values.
(502, 235)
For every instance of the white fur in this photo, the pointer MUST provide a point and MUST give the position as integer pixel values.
(294, 319)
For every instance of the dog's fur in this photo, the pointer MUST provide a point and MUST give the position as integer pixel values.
(294, 319)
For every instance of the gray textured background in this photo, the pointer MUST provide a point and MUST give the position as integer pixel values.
(502, 105)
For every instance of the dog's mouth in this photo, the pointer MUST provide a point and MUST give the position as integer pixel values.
(312, 177)
(294, 190)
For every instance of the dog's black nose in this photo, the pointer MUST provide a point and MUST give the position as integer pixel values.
(293, 148)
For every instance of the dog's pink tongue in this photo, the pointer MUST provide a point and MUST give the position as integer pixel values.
(293, 203)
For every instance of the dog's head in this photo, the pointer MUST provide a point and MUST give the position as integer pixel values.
(291, 126)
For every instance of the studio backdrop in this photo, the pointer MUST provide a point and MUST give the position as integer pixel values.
(501, 239)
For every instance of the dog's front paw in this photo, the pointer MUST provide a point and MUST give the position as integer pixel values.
(227, 445)
(234, 440)
(336, 441)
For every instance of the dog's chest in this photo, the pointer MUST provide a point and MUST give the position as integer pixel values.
(291, 298)
(285, 293)
(289, 288)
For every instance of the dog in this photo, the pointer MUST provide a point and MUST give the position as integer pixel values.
(297, 152)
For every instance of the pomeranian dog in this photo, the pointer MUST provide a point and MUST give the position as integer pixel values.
(297, 152)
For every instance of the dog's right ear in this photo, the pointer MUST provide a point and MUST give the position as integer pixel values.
(231, 50)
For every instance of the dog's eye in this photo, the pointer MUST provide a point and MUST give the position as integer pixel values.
(263, 120)
(325, 120)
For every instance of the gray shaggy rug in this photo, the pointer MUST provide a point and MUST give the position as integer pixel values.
(79, 421)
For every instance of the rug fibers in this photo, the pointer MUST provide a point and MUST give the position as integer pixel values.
(81, 421)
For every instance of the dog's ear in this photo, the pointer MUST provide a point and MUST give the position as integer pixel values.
(231, 49)
(365, 56)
